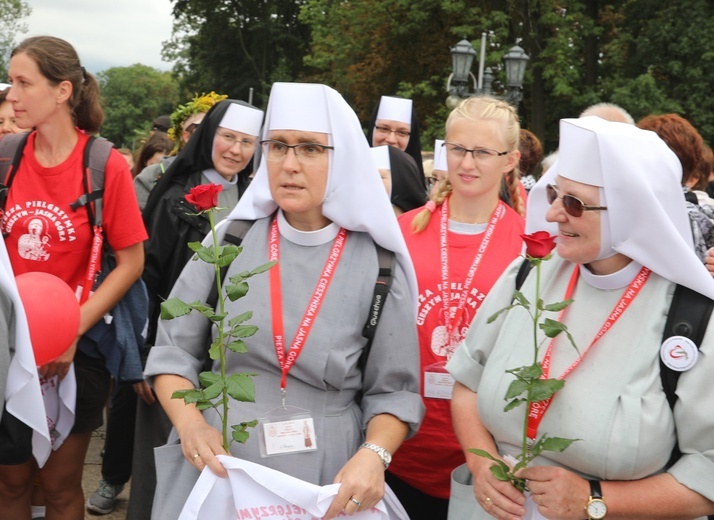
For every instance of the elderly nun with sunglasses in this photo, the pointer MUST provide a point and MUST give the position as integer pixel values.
(623, 245)
(317, 206)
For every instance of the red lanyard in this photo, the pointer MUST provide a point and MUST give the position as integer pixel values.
(313, 307)
(537, 410)
(94, 263)
(450, 323)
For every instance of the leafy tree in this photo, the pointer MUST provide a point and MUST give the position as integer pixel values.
(133, 96)
(231, 46)
(646, 55)
(11, 14)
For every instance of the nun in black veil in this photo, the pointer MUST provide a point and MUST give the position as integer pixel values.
(394, 122)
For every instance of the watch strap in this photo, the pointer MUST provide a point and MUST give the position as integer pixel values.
(595, 489)
(384, 455)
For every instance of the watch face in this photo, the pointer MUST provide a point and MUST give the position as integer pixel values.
(387, 457)
(597, 509)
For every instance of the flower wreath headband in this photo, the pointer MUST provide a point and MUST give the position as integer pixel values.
(199, 104)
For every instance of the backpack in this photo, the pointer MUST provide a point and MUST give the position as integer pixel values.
(688, 316)
(132, 309)
(235, 234)
(96, 154)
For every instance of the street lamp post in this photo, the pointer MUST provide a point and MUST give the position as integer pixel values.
(462, 56)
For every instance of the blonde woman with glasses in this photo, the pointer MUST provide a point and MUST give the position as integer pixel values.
(460, 242)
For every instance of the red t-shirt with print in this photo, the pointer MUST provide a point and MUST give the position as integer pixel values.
(426, 460)
(43, 233)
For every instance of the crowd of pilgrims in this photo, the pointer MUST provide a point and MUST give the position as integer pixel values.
(394, 414)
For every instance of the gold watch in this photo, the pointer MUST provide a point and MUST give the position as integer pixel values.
(596, 508)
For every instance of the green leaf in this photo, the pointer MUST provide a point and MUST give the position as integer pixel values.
(214, 352)
(235, 291)
(527, 373)
(515, 403)
(189, 396)
(208, 378)
(208, 312)
(500, 473)
(551, 327)
(543, 389)
(196, 246)
(204, 253)
(241, 387)
(262, 268)
(204, 405)
(239, 347)
(558, 444)
(518, 295)
(493, 317)
(559, 306)
(226, 255)
(174, 308)
(214, 390)
(483, 453)
(240, 433)
(516, 388)
(244, 331)
(237, 320)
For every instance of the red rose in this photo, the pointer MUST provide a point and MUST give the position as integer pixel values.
(204, 196)
(539, 244)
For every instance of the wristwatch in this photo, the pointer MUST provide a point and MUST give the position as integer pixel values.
(595, 508)
(382, 452)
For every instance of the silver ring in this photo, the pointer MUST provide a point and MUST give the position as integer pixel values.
(355, 501)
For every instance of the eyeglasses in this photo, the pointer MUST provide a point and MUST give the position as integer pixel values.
(231, 140)
(305, 152)
(480, 155)
(573, 206)
(385, 131)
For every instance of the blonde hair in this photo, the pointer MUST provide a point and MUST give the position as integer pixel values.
(479, 109)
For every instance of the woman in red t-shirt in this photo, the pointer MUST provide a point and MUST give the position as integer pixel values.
(460, 243)
(52, 93)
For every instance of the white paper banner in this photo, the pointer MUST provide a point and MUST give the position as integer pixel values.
(252, 491)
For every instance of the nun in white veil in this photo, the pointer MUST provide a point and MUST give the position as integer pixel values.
(623, 243)
(318, 206)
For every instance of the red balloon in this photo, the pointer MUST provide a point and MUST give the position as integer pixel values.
(52, 314)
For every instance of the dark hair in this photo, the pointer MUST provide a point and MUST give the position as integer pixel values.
(58, 61)
(158, 142)
(3, 95)
(531, 152)
(682, 138)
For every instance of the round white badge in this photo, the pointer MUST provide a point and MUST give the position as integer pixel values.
(679, 353)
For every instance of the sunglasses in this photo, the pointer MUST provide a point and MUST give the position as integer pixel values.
(573, 206)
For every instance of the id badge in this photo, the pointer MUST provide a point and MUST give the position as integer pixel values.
(286, 430)
(438, 383)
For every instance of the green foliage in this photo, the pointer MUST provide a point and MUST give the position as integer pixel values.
(231, 46)
(644, 55)
(217, 388)
(133, 97)
(12, 13)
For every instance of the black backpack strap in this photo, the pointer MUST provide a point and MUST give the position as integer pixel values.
(381, 290)
(688, 316)
(96, 155)
(523, 273)
(11, 148)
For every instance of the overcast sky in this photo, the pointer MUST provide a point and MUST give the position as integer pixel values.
(106, 33)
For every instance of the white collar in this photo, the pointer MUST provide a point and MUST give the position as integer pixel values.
(216, 178)
(617, 280)
(306, 238)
